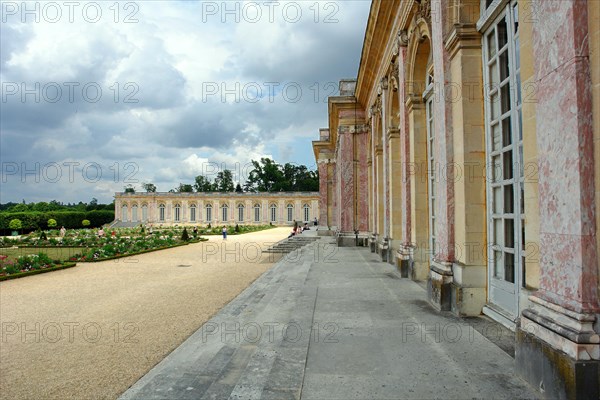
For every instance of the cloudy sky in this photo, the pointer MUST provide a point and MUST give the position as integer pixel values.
(99, 95)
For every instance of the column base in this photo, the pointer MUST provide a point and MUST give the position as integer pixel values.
(373, 242)
(439, 285)
(553, 372)
(350, 239)
(468, 289)
(403, 260)
(383, 249)
(558, 351)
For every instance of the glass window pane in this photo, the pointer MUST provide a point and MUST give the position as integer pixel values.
(498, 265)
(520, 126)
(509, 195)
(507, 164)
(494, 75)
(498, 234)
(495, 105)
(516, 18)
(518, 83)
(505, 97)
(491, 44)
(497, 200)
(496, 134)
(504, 69)
(521, 163)
(506, 132)
(496, 169)
(509, 233)
(502, 33)
(509, 267)
(522, 198)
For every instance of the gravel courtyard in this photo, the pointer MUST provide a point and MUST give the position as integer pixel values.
(94, 330)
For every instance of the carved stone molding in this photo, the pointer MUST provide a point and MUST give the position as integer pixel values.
(402, 38)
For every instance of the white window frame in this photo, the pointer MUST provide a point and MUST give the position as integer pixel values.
(290, 213)
(257, 212)
(428, 97)
(498, 153)
(241, 213)
(306, 212)
(224, 212)
(161, 213)
(134, 213)
(193, 213)
(124, 210)
(144, 212)
(208, 212)
(273, 212)
(177, 213)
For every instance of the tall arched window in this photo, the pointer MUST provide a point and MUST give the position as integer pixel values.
(208, 212)
(306, 209)
(257, 212)
(161, 213)
(177, 217)
(224, 212)
(193, 213)
(144, 212)
(290, 213)
(240, 213)
(124, 213)
(273, 212)
(134, 213)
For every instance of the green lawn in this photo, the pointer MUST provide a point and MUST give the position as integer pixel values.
(55, 253)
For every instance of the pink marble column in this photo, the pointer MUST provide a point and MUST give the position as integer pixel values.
(323, 193)
(568, 249)
(362, 173)
(404, 149)
(345, 179)
(443, 137)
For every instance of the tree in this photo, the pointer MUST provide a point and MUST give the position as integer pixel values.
(185, 188)
(224, 181)
(129, 189)
(51, 223)
(238, 188)
(265, 177)
(203, 184)
(149, 187)
(15, 224)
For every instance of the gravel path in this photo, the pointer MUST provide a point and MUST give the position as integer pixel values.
(93, 330)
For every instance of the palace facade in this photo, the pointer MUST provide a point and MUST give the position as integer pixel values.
(467, 152)
(277, 208)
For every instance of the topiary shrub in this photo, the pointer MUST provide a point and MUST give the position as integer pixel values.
(85, 223)
(51, 223)
(15, 224)
(184, 236)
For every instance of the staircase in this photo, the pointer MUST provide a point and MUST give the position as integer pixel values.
(290, 244)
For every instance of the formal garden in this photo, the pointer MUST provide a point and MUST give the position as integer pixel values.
(46, 250)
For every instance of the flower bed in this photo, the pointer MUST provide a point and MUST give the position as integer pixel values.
(30, 264)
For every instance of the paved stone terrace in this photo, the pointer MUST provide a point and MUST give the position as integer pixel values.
(333, 323)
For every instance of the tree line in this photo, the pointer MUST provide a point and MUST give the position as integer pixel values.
(55, 205)
(266, 176)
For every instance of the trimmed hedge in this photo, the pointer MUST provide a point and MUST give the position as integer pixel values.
(37, 271)
(69, 219)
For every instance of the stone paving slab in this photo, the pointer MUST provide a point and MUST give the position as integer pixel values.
(333, 324)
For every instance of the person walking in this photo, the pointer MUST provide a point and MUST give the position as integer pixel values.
(224, 233)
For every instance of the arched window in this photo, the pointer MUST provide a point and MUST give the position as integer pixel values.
(208, 212)
(306, 209)
(161, 213)
(290, 213)
(257, 212)
(134, 213)
(224, 212)
(193, 213)
(177, 217)
(273, 212)
(144, 212)
(124, 213)
(240, 213)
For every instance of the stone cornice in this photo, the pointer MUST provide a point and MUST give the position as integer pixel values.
(393, 133)
(413, 102)
(462, 36)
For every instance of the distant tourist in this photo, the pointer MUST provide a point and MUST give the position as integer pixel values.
(100, 232)
(315, 221)
(224, 233)
(195, 231)
(63, 232)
